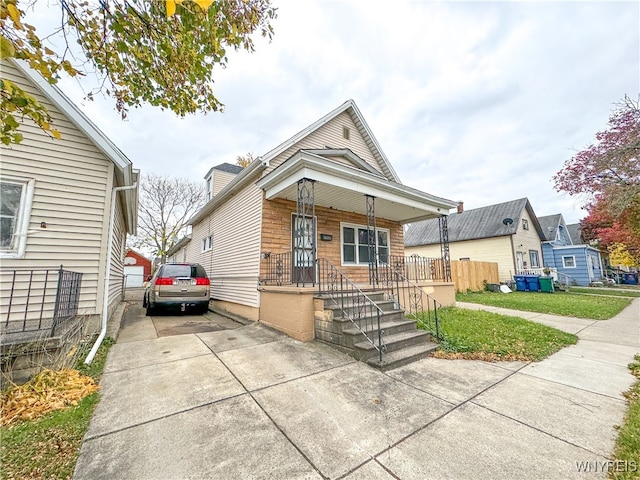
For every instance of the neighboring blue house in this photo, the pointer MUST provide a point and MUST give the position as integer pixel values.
(580, 262)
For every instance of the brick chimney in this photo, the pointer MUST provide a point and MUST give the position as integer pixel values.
(460, 207)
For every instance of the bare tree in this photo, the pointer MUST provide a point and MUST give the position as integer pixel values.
(166, 204)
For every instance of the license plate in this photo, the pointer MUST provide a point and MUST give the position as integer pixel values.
(184, 282)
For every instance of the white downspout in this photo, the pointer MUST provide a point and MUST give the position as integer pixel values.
(107, 275)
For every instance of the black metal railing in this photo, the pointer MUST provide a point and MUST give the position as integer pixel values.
(354, 304)
(39, 299)
(409, 296)
(278, 268)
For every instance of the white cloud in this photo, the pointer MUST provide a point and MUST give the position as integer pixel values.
(473, 101)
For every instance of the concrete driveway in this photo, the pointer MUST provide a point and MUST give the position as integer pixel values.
(249, 402)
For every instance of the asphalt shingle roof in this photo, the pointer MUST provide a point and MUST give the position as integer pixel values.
(484, 222)
(549, 226)
(229, 168)
(575, 232)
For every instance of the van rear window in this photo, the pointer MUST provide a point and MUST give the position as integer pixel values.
(193, 271)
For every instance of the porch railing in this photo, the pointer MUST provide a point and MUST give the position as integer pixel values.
(278, 268)
(557, 276)
(354, 304)
(38, 299)
(409, 296)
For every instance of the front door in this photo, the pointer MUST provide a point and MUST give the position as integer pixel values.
(304, 252)
(520, 261)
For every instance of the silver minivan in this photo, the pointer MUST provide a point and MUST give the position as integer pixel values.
(178, 286)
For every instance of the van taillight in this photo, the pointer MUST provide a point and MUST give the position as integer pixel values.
(202, 281)
(164, 281)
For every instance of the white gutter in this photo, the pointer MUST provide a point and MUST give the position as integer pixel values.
(107, 275)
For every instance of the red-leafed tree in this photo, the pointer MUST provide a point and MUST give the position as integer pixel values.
(607, 175)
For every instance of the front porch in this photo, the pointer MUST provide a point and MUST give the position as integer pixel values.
(333, 244)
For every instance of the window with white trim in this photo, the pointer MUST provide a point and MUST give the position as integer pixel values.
(354, 240)
(207, 243)
(569, 261)
(525, 224)
(534, 259)
(16, 195)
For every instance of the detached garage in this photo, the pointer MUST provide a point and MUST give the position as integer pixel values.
(137, 269)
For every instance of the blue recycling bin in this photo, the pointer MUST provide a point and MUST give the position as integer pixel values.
(533, 282)
(521, 283)
(630, 278)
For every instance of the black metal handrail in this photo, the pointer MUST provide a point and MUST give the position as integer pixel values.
(38, 299)
(354, 304)
(409, 296)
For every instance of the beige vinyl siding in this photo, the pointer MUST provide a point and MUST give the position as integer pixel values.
(526, 240)
(220, 180)
(233, 263)
(330, 135)
(116, 274)
(71, 194)
(497, 249)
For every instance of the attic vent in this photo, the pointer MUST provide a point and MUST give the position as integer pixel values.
(345, 133)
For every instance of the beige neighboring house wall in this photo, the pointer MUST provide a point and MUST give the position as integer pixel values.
(68, 218)
(497, 250)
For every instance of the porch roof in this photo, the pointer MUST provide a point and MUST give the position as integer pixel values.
(342, 187)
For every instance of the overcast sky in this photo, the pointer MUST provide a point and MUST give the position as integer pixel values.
(473, 101)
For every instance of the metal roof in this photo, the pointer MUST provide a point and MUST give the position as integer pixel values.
(484, 222)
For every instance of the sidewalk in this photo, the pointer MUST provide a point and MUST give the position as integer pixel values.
(249, 402)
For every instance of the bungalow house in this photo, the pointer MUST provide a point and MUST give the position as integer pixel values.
(506, 233)
(67, 206)
(321, 212)
(574, 263)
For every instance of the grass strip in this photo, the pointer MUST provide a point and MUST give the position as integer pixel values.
(48, 447)
(558, 303)
(626, 465)
(604, 291)
(475, 334)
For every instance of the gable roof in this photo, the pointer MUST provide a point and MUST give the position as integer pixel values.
(575, 233)
(549, 225)
(350, 107)
(483, 222)
(125, 173)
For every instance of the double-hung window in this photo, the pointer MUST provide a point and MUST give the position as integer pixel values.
(16, 195)
(534, 259)
(355, 244)
(569, 261)
(207, 243)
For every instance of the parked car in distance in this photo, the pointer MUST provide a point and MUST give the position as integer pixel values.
(178, 286)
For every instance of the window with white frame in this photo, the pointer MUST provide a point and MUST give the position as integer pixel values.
(569, 261)
(16, 195)
(207, 243)
(534, 259)
(354, 240)
(525, 224)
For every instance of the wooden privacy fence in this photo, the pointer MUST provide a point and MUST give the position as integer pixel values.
(468, 275)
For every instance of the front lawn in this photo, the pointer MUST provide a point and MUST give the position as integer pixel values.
(558, 303)
(475, 334)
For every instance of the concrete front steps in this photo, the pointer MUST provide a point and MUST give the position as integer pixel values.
(403, 341)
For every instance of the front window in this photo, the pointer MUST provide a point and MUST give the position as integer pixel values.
(533, 257)
(569, 261)
(15, 207)
(355, 244)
